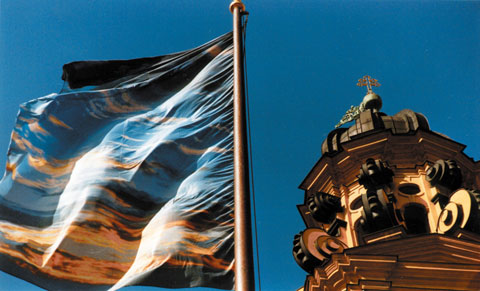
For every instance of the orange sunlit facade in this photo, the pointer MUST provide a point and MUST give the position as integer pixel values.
(390, 205)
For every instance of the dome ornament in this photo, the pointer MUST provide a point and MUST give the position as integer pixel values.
(370, 101)
(368, 82)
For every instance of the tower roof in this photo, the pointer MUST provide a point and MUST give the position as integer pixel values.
(370, 122)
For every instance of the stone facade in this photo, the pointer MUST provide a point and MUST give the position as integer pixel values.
(390, 205)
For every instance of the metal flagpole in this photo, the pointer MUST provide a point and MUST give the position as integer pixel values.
(244, 275)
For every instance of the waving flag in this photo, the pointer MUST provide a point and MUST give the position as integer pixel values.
(126, 177)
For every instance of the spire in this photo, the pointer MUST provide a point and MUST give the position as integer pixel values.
(370, 101)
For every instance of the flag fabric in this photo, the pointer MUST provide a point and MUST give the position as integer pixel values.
(126, 176)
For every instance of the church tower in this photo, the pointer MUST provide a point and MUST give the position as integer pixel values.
(390, 205)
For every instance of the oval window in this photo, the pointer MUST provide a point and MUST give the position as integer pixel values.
(357, 203)
(409, 189)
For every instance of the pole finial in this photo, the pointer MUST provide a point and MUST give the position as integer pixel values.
(237, 3)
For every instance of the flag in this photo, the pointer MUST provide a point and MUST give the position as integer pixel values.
(126, 176)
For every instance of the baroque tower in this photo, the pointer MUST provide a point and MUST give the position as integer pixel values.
(390, 205)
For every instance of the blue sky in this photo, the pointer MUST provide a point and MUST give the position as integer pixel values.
(303, 61)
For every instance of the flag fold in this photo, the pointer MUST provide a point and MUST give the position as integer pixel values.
(126, 176)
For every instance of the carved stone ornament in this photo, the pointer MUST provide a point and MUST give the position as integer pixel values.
(314, 247)
(324, 207)
(378, 212)
(375, 174)
(462, 212)
(445, 173)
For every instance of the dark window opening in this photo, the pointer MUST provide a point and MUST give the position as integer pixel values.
(409, 189)
(416, 219)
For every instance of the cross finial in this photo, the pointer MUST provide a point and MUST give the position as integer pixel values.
(368, 82)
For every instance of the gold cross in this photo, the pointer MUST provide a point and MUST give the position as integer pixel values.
(369, 82)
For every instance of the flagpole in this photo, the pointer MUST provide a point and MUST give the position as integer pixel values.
(244, 276)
